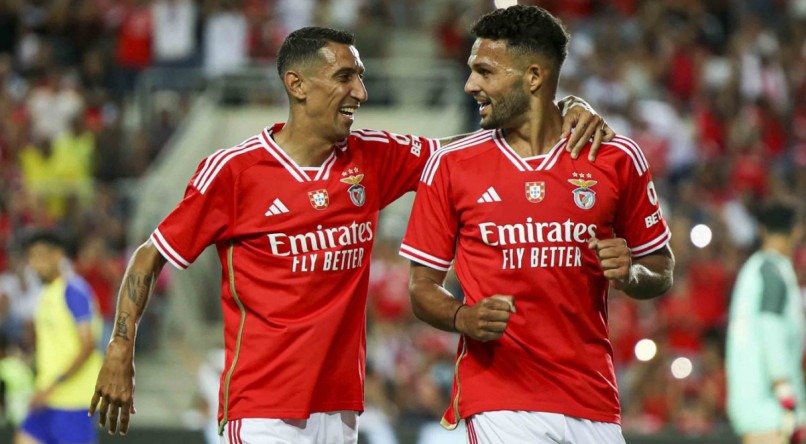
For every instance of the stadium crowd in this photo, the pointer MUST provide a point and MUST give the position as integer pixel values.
(713, 91)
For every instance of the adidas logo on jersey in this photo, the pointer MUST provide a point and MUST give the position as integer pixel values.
(489, 196)
(276, 207)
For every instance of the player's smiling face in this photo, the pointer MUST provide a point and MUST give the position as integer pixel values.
(337, 90)
(496, 82)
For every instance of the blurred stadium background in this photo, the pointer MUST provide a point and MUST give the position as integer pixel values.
(106, 106)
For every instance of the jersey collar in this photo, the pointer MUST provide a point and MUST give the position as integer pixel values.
(549, 158)
(297, 172)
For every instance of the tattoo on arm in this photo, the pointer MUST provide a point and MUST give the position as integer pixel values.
(121, 328)
(138, 287)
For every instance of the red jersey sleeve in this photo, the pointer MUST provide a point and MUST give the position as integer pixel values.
(639, 219)
(433, 226)
(401, 159)
(202, 218)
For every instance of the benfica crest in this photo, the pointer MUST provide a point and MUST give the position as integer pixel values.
(535, 191)
(356, 191)
(584, 197)
(319, 199)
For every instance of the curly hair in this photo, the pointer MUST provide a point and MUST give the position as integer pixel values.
(526, 29)
(304, 43)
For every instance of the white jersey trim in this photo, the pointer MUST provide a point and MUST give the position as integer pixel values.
(653, 245)
(632, 150)
(386, 137)
(288, 163)
(522, 164)
(634, 146)
(324, 170)
(553, 155)
(510, 154)
(370, 138)
(167, 251)
(424, 258)
(215, 162)
(431, 166)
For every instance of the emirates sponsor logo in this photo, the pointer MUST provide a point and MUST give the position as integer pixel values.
(323, 238)
(532, 232)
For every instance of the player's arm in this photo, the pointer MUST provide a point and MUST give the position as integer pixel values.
(484, 321)
(643, 277)
(115, 386)
(773, 334)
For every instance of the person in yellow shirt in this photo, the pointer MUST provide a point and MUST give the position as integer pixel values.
(67, 327)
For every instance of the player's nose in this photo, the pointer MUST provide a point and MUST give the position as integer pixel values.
(359, 91)
(471, 86)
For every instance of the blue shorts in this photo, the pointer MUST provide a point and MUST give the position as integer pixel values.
(54, 426)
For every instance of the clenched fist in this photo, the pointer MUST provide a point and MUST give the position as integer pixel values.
(487, 319)
(615, 258)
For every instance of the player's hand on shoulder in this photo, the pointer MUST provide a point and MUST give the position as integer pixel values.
(615, 259)
(114, 389)
(487, 319)
(581, 123)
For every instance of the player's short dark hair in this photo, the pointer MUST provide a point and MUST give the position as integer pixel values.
(305, 43)
(526, 29)
(49, 237)
(778, 217)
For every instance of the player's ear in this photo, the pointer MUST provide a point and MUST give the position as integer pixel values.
(536, 75)
(294, 84)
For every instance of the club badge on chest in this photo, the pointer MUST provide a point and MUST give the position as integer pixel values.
(357, 192)
(584, 197)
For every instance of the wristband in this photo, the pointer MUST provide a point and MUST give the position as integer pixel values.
(455, 314)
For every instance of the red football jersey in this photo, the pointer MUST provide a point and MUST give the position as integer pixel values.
(520, 227)
(294, 245)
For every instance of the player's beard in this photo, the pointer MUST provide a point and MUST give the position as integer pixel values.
(506, 109)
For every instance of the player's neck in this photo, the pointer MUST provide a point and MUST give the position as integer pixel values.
(538, 132)
(778, 244)
(302, 145)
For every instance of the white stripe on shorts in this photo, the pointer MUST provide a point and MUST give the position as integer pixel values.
(320, 428)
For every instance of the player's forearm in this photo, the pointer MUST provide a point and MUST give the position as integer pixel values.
(138, 283)
(430, 301)
(772, 334)
(650, 276)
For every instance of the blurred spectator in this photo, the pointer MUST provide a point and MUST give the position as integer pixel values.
(16, 384)
(225, 38)
(102, 271)
(67, 361)
(174, 31)
(134, 44)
